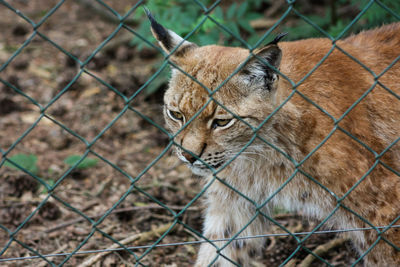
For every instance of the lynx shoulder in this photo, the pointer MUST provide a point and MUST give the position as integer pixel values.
(309, 125)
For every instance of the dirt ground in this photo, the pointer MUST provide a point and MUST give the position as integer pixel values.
(41, 71)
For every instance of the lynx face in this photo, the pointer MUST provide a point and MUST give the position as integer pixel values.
(225, 123)
(227, 115)
(215, 136)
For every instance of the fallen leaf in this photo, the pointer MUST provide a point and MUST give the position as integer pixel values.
(90, 92)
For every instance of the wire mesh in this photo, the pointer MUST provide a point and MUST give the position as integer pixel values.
(177, 215)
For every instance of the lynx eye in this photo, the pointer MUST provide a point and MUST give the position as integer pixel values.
(175, 115)
(221, 123)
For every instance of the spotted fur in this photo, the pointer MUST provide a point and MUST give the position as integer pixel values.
(294, 131)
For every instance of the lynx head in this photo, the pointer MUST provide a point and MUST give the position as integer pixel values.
(216, 134)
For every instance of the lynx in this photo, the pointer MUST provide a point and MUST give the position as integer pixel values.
(342, 157)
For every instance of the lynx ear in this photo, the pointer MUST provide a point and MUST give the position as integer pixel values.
(257, 72)
(168, 39)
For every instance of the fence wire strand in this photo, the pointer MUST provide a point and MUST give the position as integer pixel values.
(198, 242)
(207, 16)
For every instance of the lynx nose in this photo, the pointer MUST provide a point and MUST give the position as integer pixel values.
(188, 157)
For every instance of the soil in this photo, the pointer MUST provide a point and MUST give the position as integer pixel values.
(136, 173)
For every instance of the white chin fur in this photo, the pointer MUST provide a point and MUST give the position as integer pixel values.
(182, 158)
(199, 171)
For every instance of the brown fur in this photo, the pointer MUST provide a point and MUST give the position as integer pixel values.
(296, 129)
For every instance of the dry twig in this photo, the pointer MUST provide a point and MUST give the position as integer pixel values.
(320, 251)
(141, 237)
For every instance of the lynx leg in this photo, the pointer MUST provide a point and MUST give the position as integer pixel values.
(223, 220)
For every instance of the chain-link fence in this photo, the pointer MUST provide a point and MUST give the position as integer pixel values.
(49, 189)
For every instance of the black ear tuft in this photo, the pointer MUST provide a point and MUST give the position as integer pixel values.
(167, 39)
(278, 38)
(158, 30)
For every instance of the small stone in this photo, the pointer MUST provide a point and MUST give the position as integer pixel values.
(20, 30)
(50, 211)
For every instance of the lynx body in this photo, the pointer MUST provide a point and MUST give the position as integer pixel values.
(291, 134)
